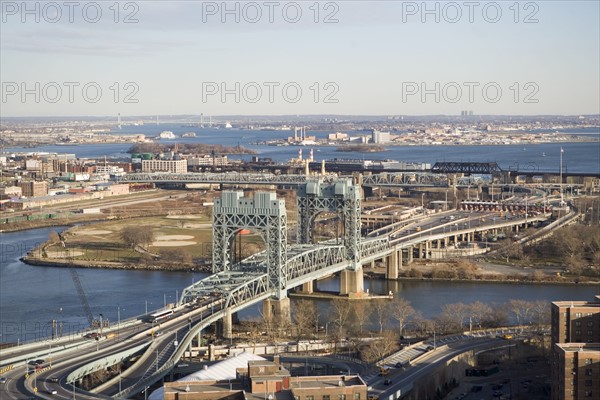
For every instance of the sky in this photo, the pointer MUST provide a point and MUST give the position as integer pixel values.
(279, 57)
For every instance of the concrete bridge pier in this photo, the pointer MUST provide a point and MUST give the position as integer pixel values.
(277, 309)
(307, 287)
(228, 324)
(352, 282)
(394, 264)
(409, 258)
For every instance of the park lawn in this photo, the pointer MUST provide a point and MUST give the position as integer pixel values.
(106, 245)
(101, 241)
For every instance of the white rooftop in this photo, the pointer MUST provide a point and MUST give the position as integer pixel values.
(220, 371)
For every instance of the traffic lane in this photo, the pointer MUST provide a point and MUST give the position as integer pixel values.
(14, 386)
(64, 366)
(164, 349)
(175, 330)
(107, 347)
(44, 348)
(428, 362)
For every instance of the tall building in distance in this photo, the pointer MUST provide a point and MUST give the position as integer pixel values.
(174, 166)
(379, 137)
(34, 188)
(576, 350)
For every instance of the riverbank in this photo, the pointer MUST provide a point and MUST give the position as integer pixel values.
(523, 278)
(461, 270)
(45, 262)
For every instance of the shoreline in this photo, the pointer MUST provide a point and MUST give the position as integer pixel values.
(39, 262)
(507, 281)
(35, 261)
(586, 139)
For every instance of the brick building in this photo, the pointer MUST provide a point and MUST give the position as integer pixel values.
(269, 380)
(33, 188)
(576, 350)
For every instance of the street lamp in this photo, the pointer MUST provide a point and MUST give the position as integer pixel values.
(59, 323)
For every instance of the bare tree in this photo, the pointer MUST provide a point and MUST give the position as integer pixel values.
(401, 311)
(305, 316)
(361, 313)
(340, 313)
(453, 316)
(270, 327)
(521, 310)
(540, 313)
(381, 312)
(498, 316)
(135, 236)
(479, 312)
(420, 323)
(254, 332)
(385, 344)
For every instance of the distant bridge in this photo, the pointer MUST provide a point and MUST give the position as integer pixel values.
(254, 178)
(452, 167)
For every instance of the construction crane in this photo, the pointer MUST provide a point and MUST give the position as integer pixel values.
(78, 286)
(81, 294)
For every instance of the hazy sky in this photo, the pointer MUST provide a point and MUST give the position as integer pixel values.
(340, 57)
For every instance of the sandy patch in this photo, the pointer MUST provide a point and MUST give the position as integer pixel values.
(173, 243)
(63, 254)
(93, 232)
(198, 226)
(187, 216)
(164, 238)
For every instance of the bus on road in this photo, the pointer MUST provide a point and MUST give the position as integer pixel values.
(160, 315)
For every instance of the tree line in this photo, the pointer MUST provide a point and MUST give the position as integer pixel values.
(376, 328)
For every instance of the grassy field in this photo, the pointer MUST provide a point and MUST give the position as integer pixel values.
(185, 233)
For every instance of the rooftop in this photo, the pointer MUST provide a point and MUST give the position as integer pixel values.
(576, 347)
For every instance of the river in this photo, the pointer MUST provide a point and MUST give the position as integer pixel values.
(30, 296)
(577, 156)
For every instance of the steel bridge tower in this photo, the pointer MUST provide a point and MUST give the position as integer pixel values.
(264, 214)
(341, 197)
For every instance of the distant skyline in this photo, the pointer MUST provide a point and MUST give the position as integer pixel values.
(379, 58)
